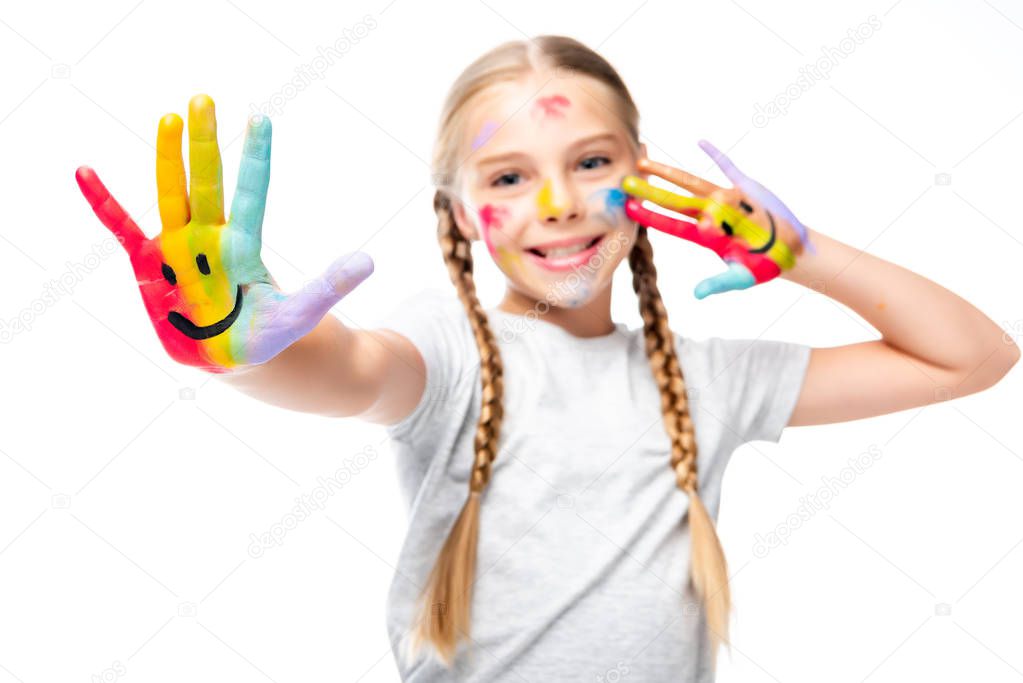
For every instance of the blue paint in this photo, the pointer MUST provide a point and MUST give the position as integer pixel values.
(737, 276)
(614, 201)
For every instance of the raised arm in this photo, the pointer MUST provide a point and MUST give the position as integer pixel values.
(935, 345)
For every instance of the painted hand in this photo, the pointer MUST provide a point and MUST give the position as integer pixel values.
(746, 225)
(212, 301)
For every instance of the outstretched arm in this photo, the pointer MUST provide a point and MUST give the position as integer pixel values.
(336, 371)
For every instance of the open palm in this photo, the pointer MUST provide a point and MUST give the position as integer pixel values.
(213, 303)
(746, 225)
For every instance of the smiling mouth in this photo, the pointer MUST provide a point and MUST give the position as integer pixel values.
(561, 252)
(559, 261)
(193, 331)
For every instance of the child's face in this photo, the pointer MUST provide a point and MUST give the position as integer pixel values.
(546, 156)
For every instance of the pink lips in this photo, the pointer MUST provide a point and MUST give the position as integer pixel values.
(561, 263)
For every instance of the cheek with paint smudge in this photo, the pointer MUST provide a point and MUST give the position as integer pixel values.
(492, 221)
(609, 205)
(491, 218)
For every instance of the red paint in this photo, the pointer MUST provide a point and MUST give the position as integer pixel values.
(159, 296)
(551, 106)
(491, 216)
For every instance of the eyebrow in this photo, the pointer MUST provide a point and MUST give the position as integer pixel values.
(582, 142)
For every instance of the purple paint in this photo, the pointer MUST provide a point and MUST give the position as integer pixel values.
(486, 132)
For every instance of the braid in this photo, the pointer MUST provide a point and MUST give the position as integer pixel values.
(708, 569)
(447, 598)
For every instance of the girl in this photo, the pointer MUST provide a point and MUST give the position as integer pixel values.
(562, 470)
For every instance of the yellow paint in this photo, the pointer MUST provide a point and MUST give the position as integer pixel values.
(669, 200)
(210, 297)
(545, 202)
(207, 182)
(743, 226)
(170, 174)
(507, 260)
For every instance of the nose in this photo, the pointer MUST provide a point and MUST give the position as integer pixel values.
(558, 201)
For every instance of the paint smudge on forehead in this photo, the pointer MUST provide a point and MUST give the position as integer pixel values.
(486, 132)
(550, 106)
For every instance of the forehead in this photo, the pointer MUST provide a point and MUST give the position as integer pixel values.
(539, 110)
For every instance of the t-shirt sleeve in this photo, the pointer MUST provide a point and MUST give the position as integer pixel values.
(435, 323)
(758, 382)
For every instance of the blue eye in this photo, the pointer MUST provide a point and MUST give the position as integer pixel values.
(511, 178)
(594, 162)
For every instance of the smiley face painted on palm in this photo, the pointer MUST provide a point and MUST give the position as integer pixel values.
(550, 173)
(211, 300)
(196, 277)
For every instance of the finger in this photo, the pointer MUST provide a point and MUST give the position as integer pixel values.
(714, 240)
(637, 187)
(312, 302)
(730, 170)
(249, 203)
(635, 210)
(736, 277)
(109, 211)
(687, 181)
(764, 267)
(170, 174)
(206, 189)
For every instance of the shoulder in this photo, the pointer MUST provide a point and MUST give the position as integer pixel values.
(751, 383)
(736, 356)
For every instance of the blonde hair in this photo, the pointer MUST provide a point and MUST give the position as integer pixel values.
(446, 599)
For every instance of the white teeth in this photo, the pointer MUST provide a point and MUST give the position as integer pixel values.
(565, 251)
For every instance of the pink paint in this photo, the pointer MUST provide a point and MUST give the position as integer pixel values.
(551, 106)
(490, 217)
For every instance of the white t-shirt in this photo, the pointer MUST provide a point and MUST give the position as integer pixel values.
(583, 557)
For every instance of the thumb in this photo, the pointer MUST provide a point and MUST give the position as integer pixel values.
(737, 276)
(319, 295)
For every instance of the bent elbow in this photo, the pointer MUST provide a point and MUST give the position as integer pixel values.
(991, 368)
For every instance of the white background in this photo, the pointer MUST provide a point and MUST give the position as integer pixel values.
(129, 485)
